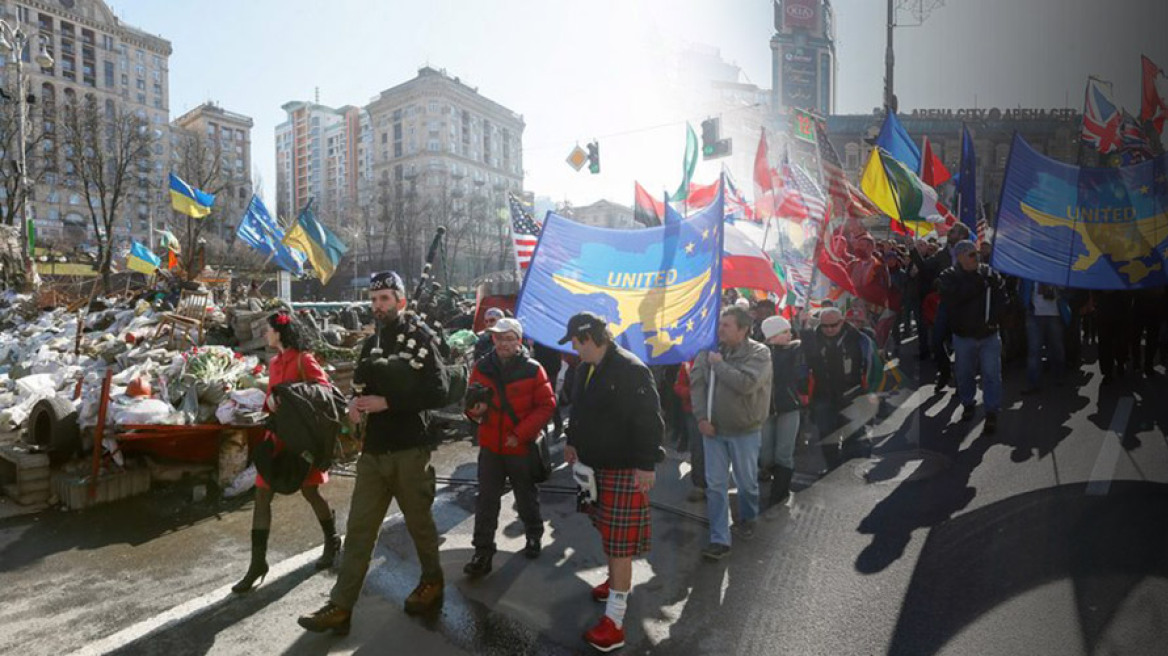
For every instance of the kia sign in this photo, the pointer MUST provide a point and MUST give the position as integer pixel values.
(800, 14)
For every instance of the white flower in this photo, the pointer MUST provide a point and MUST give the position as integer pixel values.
(415, 364)
(411, 344)
(401, 338)
(422, 353)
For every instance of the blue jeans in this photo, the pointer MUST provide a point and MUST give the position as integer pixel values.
(984, 354)
(723, 452)
(1040, 331)
(778, 440)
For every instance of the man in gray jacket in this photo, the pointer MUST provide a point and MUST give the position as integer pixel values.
(731, 391)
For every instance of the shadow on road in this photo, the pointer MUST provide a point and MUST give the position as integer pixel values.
(133, 522)
(1111, 547)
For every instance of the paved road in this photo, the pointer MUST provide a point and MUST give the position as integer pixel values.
(1046, 538)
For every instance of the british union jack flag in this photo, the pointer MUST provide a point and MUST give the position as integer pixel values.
(1101, 119)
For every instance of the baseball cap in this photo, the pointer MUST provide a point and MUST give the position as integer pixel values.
(507, 325)
(581, 324)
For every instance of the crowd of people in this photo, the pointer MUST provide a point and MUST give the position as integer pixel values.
(737, 409)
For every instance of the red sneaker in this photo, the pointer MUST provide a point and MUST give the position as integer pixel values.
(600, 592)
(605, 636)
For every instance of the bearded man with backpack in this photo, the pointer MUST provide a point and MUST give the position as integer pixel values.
(401, 378)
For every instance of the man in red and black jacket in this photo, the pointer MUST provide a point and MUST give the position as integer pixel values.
(509, 396)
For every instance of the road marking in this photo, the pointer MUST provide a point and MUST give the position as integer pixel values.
(1100, 481)
(199, 604)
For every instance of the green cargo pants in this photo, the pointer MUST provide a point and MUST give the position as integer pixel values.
(381, 478)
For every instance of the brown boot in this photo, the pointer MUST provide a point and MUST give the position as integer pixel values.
(426, 597)
(329, 618)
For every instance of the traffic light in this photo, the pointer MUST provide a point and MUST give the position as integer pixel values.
(713, 146)
(594, 157)
(709, 137)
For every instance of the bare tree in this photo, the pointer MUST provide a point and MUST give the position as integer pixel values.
(107, 151)
(200, 162)
(37, 157)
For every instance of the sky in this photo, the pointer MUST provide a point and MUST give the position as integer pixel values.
(597, 69)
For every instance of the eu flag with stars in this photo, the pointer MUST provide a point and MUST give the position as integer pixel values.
(1086, 228)
(260, 231)
(659, 288)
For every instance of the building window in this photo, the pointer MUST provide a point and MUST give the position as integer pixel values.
(108, 69)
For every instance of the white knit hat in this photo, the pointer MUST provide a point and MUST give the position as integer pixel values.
(775, 325)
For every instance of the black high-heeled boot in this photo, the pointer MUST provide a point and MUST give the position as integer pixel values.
(259, 562)
(332, 541)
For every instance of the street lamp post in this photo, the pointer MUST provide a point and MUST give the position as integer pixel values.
(13, 41)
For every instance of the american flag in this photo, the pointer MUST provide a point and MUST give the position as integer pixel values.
(846, 199)
(1101, 119)
(525, 230)
(800, 198)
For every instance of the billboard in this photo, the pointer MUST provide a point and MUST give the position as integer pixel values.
(800, 15)
(800, 77)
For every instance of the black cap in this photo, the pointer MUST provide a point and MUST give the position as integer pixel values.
(582, 324)
(386, 280)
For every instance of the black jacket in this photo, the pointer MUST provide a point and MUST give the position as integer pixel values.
(837, 363)
(928, 270)
(790, 377)
(308, 419)
(403, 425)
(616, 418)
(966, 295)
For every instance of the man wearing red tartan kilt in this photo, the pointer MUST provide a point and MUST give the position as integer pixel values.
(614, 444)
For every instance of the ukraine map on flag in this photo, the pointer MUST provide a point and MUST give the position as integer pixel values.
(659, 288)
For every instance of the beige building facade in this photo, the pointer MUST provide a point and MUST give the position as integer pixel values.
(226, 138)
(124, 68)
(430, 151)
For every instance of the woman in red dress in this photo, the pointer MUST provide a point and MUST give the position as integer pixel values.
(291, 364)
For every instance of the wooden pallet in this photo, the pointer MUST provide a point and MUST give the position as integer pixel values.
(24, 475)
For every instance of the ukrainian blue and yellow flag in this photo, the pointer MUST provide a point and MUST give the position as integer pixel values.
(323, 248)
(185, 199)
(142, 260)
(659, 288)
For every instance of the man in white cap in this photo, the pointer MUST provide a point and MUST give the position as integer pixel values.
(788, 386)
(518, 404)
